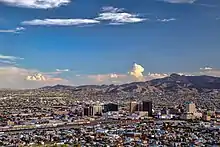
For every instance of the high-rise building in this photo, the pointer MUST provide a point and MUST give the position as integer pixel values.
(133, 106)
(147, 106)
(191, 112)
(88, 111)
(190, 108)
(217, 114)
(110, 107)
(97, 110)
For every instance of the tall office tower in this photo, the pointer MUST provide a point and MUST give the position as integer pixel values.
(110, 107)
(88, 111)
(217, 114)
(190, 107)
(147, 106)
(133, 106)
(97, 110)
(140, 106)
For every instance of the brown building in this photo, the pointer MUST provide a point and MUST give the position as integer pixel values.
(133, 106)
(190, 108)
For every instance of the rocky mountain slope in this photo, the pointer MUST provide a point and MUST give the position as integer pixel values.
(173, 83)
(169, 91)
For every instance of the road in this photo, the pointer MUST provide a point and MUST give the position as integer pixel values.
(66, 126)
(77, 125)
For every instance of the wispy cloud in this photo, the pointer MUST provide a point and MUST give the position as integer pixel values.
(166, 20)
(155, 76)
(111, 15)
(7, 63)
(118, 16)
(112, 9)
(179, 1)
(207, 5)
(37, 4)
(62, 70)
(9, 60)
(210, 71)
(107, 78)
(10, 57)
(16, 30)
(206, 68)
(60, 22)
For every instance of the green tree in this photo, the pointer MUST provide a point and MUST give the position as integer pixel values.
(64, 145)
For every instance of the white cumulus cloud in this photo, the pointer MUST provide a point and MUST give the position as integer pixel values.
(137, 71)
(36, 77)
(39, 77)
(118, 16)
(60, 22)
(37, 4)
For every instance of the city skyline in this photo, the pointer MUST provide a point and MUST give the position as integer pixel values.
(96, 42)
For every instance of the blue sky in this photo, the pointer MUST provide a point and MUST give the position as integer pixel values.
(104, 37)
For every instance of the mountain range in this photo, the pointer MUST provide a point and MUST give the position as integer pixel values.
(173, 83)
(169, 91)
